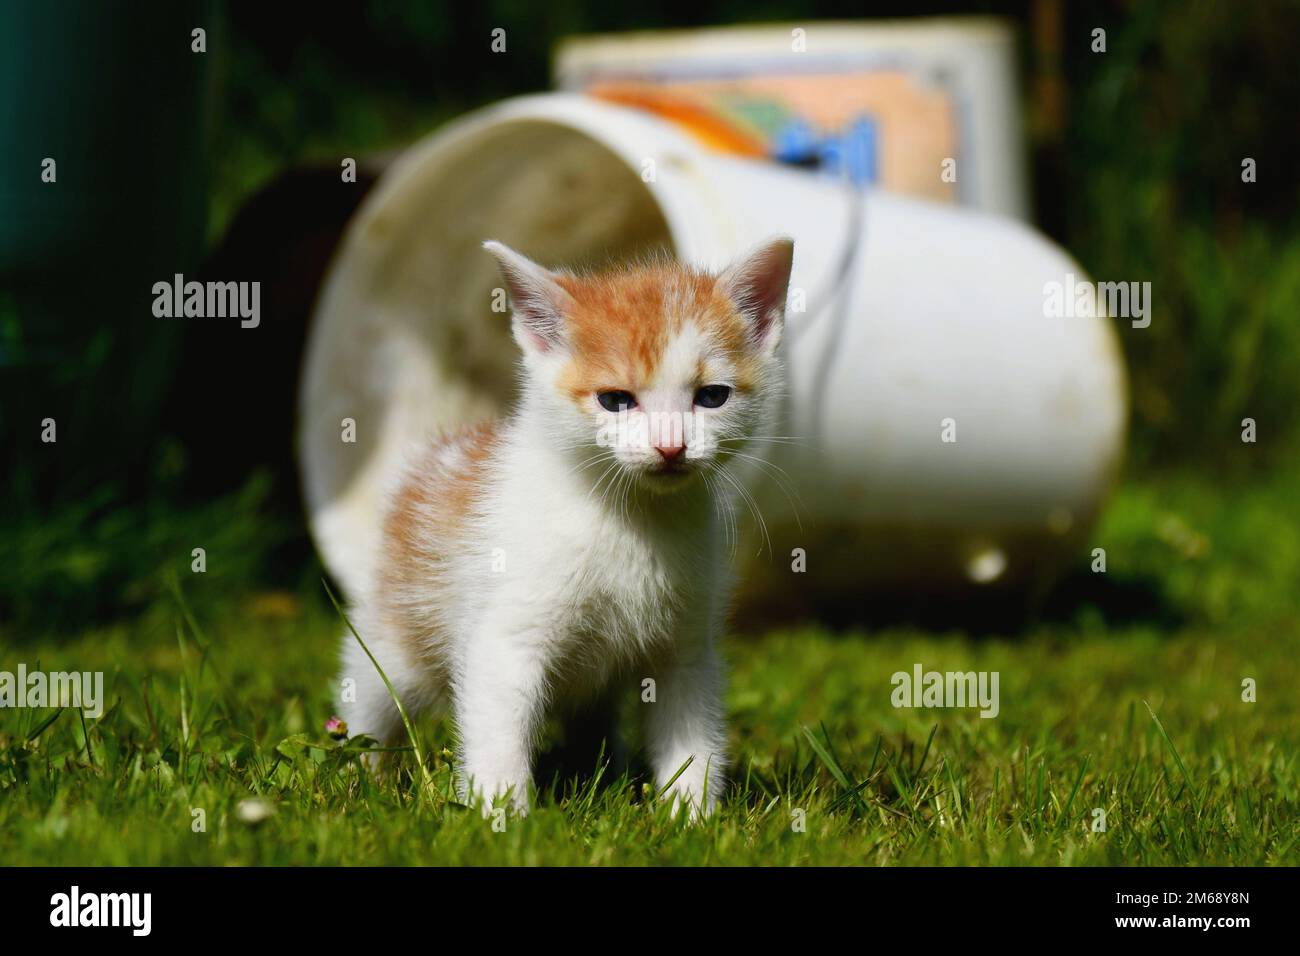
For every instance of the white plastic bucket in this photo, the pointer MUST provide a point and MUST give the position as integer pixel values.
(916, 313)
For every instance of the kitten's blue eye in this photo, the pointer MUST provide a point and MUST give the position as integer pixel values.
(713, 396)
(616, 401)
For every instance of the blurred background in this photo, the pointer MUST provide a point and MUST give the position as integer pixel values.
(226, 164)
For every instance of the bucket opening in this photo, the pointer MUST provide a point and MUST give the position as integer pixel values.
(412, 334)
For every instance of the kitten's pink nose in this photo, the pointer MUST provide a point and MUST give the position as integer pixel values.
(670, 453)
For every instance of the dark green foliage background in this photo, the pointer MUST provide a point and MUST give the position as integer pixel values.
(1141, 181)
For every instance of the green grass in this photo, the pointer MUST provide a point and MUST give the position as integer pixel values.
(225, 704)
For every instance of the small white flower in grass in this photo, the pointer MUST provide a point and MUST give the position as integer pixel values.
(253, 811)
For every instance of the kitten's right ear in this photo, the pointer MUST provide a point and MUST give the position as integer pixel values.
(536, 297)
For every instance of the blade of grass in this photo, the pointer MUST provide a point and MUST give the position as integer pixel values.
(673, 779)
(1078, 782)
(185, 717)
(1177, 758)
(46, 723)
(926, 752)
(85, 734)
(427, 790)
(827, 757)
(204, 645)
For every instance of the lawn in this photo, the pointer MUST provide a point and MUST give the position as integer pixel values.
(211, 749)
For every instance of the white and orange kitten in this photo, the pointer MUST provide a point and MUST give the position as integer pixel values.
(527, 565)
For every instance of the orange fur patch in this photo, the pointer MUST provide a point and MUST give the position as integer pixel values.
(434, 499)
(424, 529)
(621, 323)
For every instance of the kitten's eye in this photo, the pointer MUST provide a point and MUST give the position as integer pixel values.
(712, 396)
(616, 401)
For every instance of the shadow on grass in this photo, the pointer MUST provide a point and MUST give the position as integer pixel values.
(1080, 599)
(588, 749)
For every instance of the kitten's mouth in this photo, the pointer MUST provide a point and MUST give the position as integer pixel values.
(669, 475)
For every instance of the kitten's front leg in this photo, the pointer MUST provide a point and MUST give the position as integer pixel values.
(499, 706)
(686, 721)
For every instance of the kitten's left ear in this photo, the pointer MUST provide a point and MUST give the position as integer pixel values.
(536, 297)
(758, 283)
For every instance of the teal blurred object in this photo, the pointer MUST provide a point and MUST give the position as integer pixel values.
(114, 94)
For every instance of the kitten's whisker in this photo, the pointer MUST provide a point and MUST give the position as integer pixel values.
(614, 493)
(607, 493)
(599, 481)
(625, 482)
(715, 501)
(770, 440)
(733, 527)
(726, 513)
(753, 507)
(590, 462)
(758, 515)
(563, 446)
(781, 478)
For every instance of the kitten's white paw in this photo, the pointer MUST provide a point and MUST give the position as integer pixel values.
(686, 793)
(490, 793)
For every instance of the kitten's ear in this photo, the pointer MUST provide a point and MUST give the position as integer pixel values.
(536, 297)
(758, 283)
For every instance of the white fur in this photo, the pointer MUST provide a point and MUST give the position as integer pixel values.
(610, 575)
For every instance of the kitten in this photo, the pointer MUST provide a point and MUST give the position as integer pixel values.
(527, 565)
